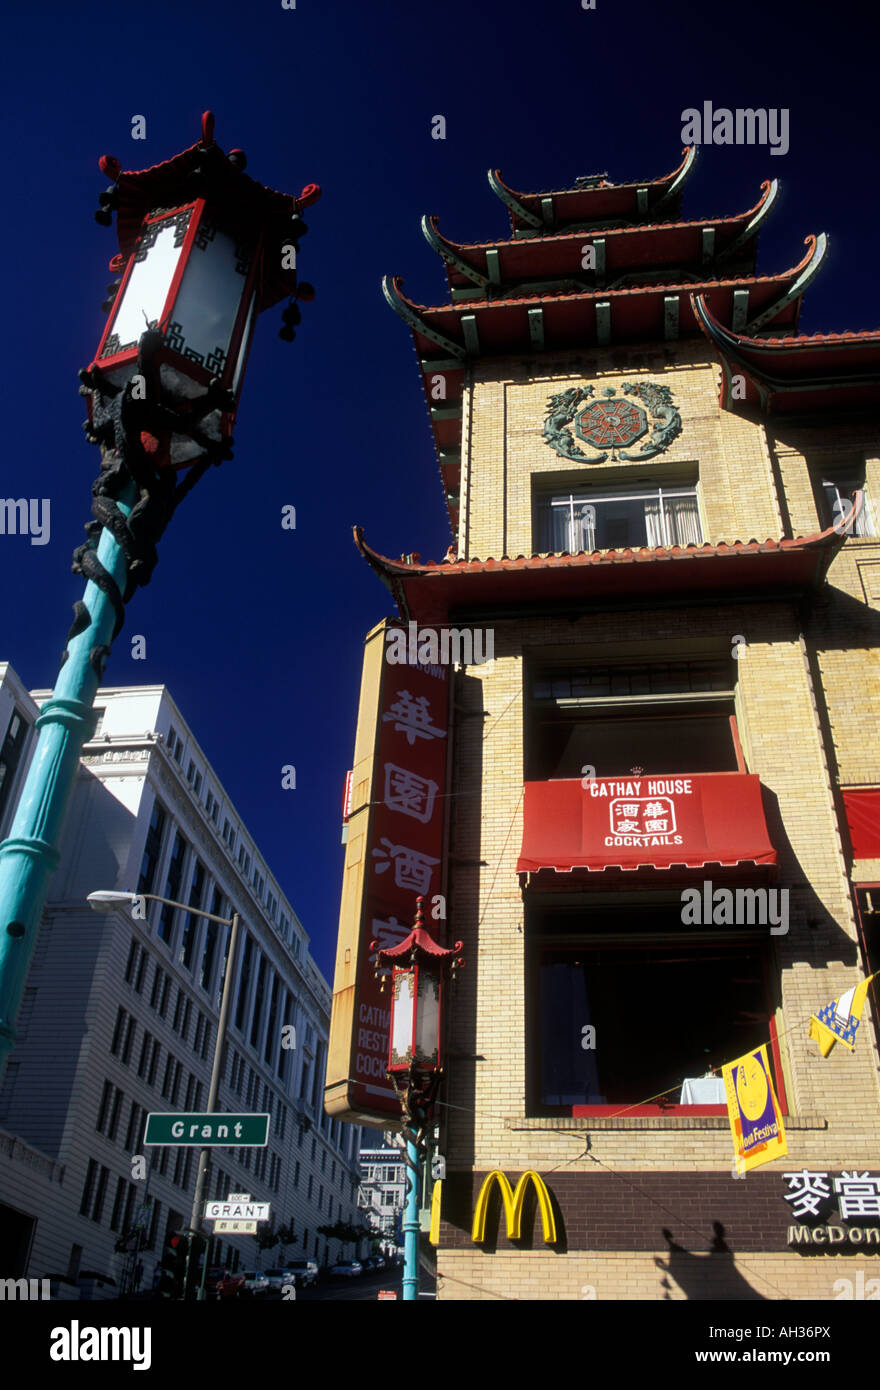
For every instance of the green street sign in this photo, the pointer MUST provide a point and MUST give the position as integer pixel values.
(209, 1131)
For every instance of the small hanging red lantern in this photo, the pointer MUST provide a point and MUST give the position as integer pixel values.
(418, 969)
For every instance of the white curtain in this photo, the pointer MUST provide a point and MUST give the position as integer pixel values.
(654, 522)
(584, 527)
(682, 521)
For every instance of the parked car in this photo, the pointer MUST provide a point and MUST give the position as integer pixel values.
(276, 1279)
(347, 1269)
(255, 1283)
(373, 1262)
(302, 1273)
(222, 1283)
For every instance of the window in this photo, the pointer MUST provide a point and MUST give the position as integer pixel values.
(168, 1083)
(617, 517)
(175, 745)
(229, 834)
(694, 999)
(94, 1191)
(10, 755)
(118, 1204)
(209, 950)
(662, 717)
(108, 1110)
(194, 777)
(182, 1163)
(284, 1052)
(172, 888)
(123, 1034)
(134, 1133)
(212, 807)
(244, 982)
(191, 926)
(131, 964)
(159, 996)
(152, 849)
(154, 1225)
(88, 1188)
(837, 498)
(181, 1015)
(259, 996)
(149, 1058)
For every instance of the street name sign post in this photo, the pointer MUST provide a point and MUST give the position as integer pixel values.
(244, 1210)
(201, 1131)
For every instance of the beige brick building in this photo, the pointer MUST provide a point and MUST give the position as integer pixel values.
(649, 476)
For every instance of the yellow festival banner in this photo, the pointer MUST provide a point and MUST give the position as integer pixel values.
(755, 1121)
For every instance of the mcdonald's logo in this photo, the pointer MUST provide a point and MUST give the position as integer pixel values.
(514, 1200)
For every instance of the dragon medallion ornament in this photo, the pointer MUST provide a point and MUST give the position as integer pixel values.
(611, 423)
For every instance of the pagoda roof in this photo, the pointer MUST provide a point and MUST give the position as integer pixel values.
(652, 247)
(594, 200)
(807, 374)
(510, 326)
(511, 586)
(205, 171)
(448, 336)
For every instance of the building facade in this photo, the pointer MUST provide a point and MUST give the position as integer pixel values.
(119, 1018)
(663, 826)
(383, 1187)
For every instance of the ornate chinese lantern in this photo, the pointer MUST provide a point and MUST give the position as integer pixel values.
(203, 249)
(418, 970)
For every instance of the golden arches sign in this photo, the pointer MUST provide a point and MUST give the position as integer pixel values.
(514, 1200)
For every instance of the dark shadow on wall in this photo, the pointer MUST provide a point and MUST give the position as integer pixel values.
(710, 1277)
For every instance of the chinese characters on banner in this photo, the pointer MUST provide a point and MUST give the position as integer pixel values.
(604, 822)
(404, 854)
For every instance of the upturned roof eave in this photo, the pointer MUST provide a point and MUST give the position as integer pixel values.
(458, 247)
(666, 182)
(426, 592)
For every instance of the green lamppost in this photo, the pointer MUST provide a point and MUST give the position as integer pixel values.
(203, 249)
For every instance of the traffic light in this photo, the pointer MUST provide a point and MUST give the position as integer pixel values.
(171, 1282)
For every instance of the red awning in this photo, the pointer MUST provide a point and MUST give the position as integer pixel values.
(658, 822)
(863, 817)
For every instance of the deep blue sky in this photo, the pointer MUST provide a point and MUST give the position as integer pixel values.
(257, 632)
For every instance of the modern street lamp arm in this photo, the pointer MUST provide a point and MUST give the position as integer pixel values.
(107, 900)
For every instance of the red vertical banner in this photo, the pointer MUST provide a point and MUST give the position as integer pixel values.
(403, 854)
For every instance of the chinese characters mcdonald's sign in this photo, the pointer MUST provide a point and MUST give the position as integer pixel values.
(394, 853)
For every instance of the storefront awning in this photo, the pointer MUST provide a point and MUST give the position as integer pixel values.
(863, 818)
(655, 822)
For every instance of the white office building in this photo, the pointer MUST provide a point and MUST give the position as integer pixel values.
(119, 1018)
(383, 1187)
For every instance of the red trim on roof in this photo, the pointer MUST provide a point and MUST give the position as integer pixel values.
(427, 592)
(644, 244)
(662, 182)
(810, 372)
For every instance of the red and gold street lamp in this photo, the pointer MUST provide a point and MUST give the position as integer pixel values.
(419, 969)
(203, 250)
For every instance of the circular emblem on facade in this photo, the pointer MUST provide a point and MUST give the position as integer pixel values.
(612, 422)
